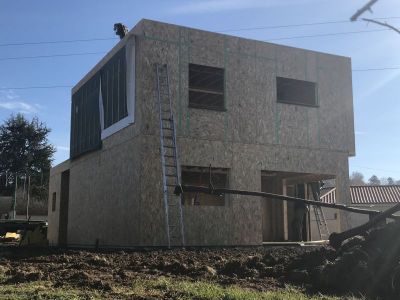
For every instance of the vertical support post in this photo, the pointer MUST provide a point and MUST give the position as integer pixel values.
(285, 213)
(28, 200)
(15, 197)
(23, 192)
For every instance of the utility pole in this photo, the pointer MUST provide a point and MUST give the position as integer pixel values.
(28, 200)
(15, 197)
(368, 7)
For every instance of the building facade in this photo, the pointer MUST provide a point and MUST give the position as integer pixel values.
(266, 117)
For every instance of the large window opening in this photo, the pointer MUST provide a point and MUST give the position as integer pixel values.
(200, 176)
(104, 104)
(295, 91)
(113, 89)
(206, 87)
(85, 123)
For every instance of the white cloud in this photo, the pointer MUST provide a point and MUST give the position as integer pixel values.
(62, 148)
(11, 101)
(209, 6)
(19, 106)
(8, 94)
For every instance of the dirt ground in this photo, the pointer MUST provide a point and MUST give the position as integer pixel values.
(257, 268)
(366, 265)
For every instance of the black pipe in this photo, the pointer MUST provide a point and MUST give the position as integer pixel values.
(208, 190)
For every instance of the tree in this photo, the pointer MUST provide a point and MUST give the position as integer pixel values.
(25, 150)
(390, 181)
(374, 180)
(356, 178)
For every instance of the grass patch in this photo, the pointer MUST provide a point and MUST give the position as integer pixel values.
(43, 291)
(207, 291)
(151, 288)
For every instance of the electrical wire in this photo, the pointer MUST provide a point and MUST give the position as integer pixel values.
(298, 25)
(221, 31)
(70, 86)
(51, 55)
(57, 42)
(326, 34)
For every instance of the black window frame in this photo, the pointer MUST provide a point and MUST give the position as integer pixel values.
(303, 88)
(85, 111)
(54, 201)
(206, 90)
(191, 175)
(114, 88)
(85, 118)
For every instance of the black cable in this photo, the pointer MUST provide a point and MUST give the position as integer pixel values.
(51, 55)
(56, 42)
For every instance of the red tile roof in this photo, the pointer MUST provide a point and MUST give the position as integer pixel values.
(366, 194)
(375, 194)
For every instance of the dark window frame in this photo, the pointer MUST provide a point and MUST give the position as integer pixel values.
(85, 111)
(283, 83)
(114, 88)
(53, 201)
(85, 118)
(200, 176)
(199, 89)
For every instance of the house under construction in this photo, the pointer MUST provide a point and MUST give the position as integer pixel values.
(169, 101)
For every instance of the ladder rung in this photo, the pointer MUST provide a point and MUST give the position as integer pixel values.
(170, 175)
(166, 128)
(164, 119)
(170, 166)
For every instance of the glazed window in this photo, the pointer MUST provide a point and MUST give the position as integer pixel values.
(100, 107)
(85, 121)
(206, 87)
(199, 176)
(113, 89)
(293, 91)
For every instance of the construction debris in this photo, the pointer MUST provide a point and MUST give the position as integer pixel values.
(367, 264)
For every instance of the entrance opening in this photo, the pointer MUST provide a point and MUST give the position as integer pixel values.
(64, 199)
(282, 220)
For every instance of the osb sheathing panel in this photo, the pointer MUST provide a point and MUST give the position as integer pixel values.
(151, 210)
(104, 192)
(116, 193)
(252, 115)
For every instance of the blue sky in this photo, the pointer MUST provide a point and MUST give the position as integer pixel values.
(376, 93)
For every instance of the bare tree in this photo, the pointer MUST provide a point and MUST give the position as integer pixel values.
(356, 178)
(374, 180)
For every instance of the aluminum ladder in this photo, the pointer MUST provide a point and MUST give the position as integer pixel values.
(169, 162)
(322, 226)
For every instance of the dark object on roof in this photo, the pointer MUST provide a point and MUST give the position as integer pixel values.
(120, 29)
